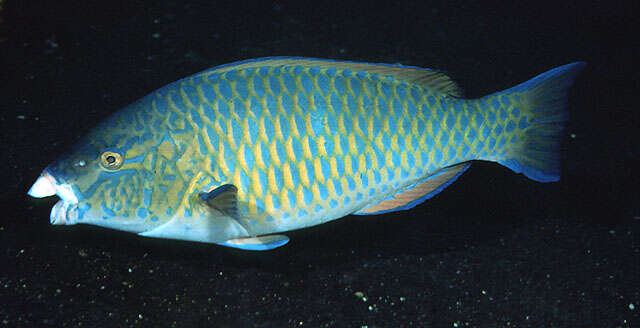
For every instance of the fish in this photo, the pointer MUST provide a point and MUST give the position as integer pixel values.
(240, 153)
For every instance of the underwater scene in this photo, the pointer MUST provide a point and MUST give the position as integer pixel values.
(193, 163)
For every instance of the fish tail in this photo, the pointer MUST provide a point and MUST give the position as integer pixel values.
(533, 116)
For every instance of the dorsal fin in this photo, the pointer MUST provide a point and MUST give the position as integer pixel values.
(426, 78)
(419, 193)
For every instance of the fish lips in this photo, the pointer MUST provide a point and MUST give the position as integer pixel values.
(66, 209)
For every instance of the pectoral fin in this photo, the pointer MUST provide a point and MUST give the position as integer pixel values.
(259, 243)
(223, 199)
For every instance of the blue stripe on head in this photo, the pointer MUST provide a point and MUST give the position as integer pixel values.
(107, 210)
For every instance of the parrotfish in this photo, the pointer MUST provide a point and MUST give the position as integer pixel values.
(239, 153)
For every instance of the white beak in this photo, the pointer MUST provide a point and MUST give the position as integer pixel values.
(44, 186)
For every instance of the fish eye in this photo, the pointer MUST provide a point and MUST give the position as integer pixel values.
(111, 161)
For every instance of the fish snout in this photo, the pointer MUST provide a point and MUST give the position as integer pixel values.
(44, 186)
(47, 185)
(65, 211)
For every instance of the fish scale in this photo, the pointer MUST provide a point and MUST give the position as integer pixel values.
(239, 152)
(239, 86)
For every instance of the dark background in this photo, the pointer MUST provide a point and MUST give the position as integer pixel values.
(492, 250)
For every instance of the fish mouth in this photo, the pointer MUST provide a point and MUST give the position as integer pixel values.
(66, 209)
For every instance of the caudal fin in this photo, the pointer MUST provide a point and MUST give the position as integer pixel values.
(543, 100)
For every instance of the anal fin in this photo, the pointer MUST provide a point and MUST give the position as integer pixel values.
(420, 192)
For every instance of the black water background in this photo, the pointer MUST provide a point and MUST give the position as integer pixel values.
(493, 249)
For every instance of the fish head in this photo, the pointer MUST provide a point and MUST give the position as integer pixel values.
(107, 179)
